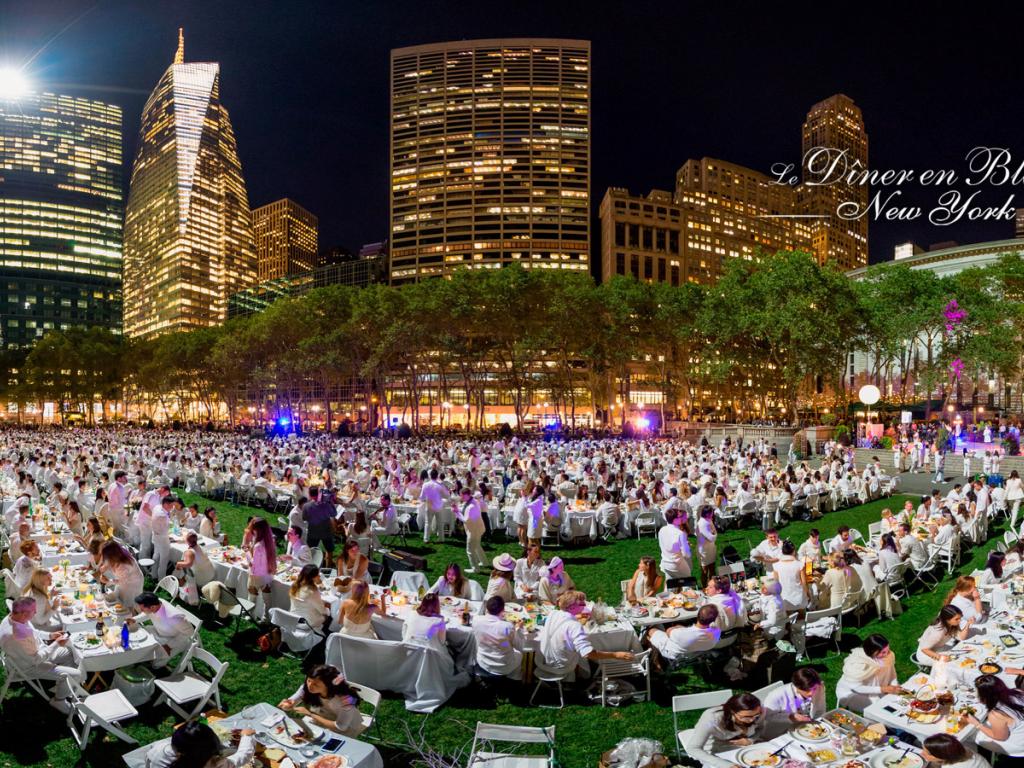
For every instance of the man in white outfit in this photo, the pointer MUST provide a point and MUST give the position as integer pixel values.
(39, 654)
(169, 628)
(433, 495)
(472, 520)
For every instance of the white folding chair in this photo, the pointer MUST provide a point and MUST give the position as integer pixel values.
(105, 710)
(762, 693)
(646, 521)
(13, 675)
(640, 666)
(296, 633)
(11, 587)
(371, 698)
(486, 734)
(812, 618)
(316, 557)
(409, 581)
(690, 702)
(170, 585)
(189, 686)
(476, 592)
(544, 674)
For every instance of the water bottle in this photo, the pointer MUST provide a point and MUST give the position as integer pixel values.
(125, 643)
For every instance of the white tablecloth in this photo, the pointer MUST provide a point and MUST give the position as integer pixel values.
(890, 710)
(359, 753)
(104, 659)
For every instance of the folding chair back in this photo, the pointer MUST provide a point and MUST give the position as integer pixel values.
(762, 693)
(487, 734)
(693, 701)
(371, 698)
(168, 584)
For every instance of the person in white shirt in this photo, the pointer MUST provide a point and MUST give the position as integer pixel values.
(452, 583)
(737, 723)
(941, 635)
(528, 571)
(674, 541)
(695, 638)
(1014, 495)
(966, 597)
(30, 560)
(144, 517)
(888, 557)
(799, 701)
(792, 576)
(912, 548)
(554, 581)
(328, 701)
(731, 613)
(161, 526)
(426, 626)
(43, 655)
(169, 628)
(869, 673)
(811, 549)
(498, 643)
(768, 551)
(117, 497)
(472, 520)
(298, 552)
(433, 495)
(842, 541)
(195, 743)
(305, 599)
(773, 611)
(563, 641)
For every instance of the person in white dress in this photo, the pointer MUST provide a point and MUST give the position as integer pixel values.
(327, 700)
(706, 536)
(1002, 729)
(306, 600)
(946, 750)
(554, 581)
(356, 612)
(967, 598)
(869, 673)
(674, 541)
(500, 584)
(646, 581)
(39, 588)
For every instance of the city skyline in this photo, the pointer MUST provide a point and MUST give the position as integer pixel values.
(679, 100)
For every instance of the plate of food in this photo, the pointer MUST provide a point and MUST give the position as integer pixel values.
(86, 641)
(758, 757)
(669, 613)
(822, 756)
(846, 720)
(989, 668)
(890, 757)
(638, 612)
(689, 594)
(851, 764)
(1009, 641)
(651, 602)
(812, 732)
(330, 761)
(449, 600)
(689, 605)
(288, 733)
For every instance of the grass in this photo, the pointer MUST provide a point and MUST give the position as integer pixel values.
(584, 731)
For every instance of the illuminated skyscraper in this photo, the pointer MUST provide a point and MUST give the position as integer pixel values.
(836, 123)
(61, 209)
(490, 156)
(285, 235)
(188, 231)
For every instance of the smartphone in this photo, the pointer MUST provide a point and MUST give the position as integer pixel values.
(332, 745)
(890, 709)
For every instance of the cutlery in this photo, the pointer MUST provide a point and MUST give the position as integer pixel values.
(781, 749)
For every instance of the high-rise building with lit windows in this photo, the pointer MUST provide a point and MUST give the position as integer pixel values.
(836, 124)
(719, 211)
(285, 235)
(188, 229)
(61, 210)
(490, 156)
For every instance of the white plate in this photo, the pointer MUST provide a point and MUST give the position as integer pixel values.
(80, 642)
(795, 733)
(912, 760)
(293, 728)
(749, 756)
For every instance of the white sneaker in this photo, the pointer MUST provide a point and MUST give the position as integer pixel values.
(470, 570)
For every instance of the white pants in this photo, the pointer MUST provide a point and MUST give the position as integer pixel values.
(474, 549)
(1014, 509)
(146, 541)
(432, 519)
(177, 644)
(161, 555)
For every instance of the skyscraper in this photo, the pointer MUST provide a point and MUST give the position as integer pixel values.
(835, 123)
(490, 156)
(188, 230)
(285, 235)
(61, 208)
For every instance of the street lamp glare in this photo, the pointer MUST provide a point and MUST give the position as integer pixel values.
(13, 83)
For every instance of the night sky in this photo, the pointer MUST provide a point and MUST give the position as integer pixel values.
(306, 84)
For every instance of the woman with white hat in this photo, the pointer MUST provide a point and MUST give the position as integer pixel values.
(500, 583)
(554, 581)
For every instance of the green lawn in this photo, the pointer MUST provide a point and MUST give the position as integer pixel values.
(584, 731)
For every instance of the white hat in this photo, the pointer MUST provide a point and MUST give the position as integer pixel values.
(555, 564)
(504, 562)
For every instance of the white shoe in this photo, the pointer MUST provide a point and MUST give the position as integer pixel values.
(470, 570)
